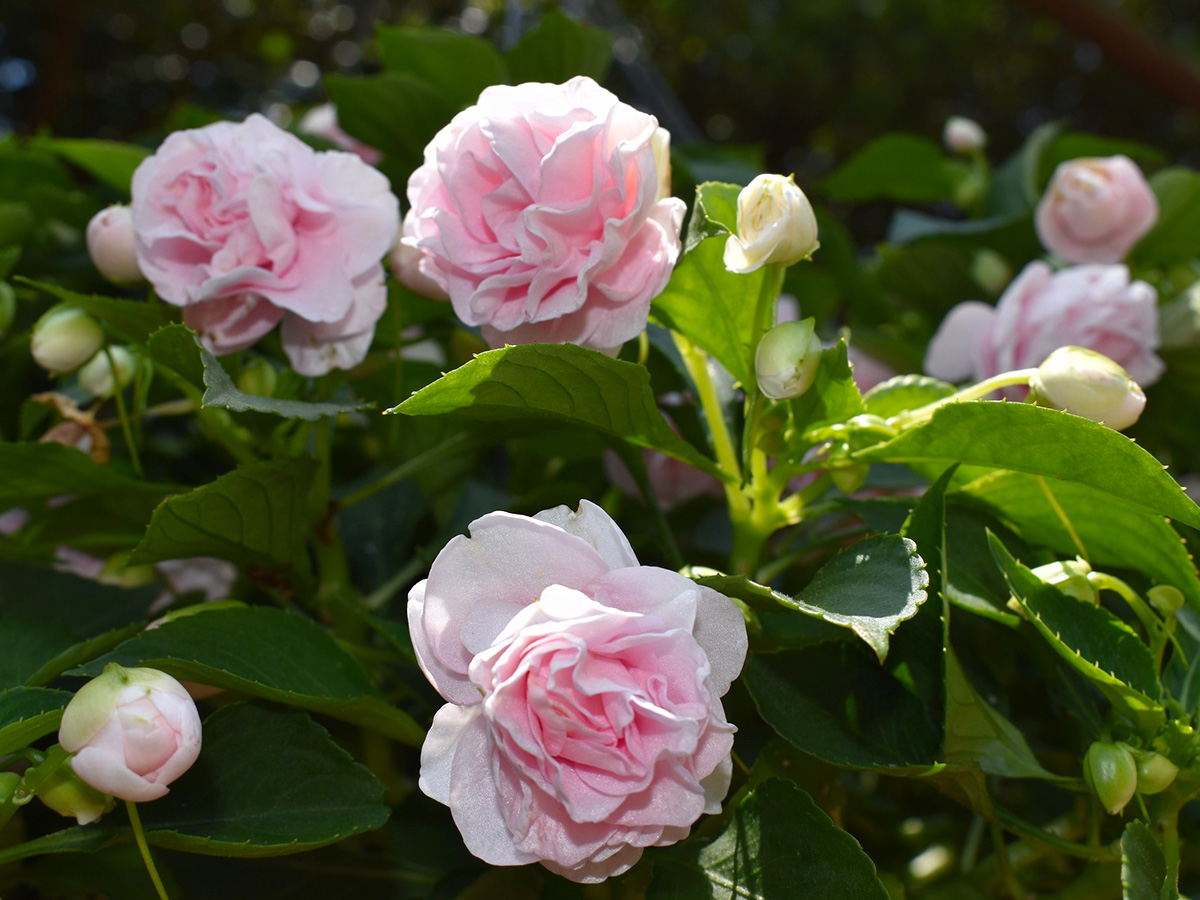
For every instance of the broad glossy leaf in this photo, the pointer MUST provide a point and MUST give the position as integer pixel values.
(268, 783)
(456, 65)
(1143, 868)
(35, 472)
(221, 391)
(28, 713)
(1012, 236)
(1175, 237)
(905, 392)
(1054, 513)
(972, 581)
(268, 653)
(557, 383)
(560, 48)
(713, 308)
(714, 213)
(108, 161)
(127, 320)
(255, 515)
(778, 842)
(900, 167)
(1027, 438)
(930, 276)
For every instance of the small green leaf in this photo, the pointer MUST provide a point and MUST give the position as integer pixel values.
(779, 844)
(832, 399)
(456, 65)
(1027, 438)
(712, 307)
(28, 713)
(221, 391)
(1175, 237)
(239, 649)
(127, 320)
(108, 161)
(905, 392)
(899, 167)
(560, 48)
(557, 383)
(714, 213)
(255, 515)
(1143, 868)
(175, 347)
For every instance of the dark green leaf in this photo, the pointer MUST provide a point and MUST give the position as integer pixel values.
(778, 843)
(1012, 236)
(456, 65)
(899, 167)
(1175, 238)
(175, 347)
(558, 383)
(28, 713)
(1027, 438)
(929, 276)
(108, 161)
(221, 391)
(973, 582)
(1016, 187)
(1143, 868)
(714, 213)
(255, 515)
(267, 653)
(127, 320)
(35, 472)
(559, 49)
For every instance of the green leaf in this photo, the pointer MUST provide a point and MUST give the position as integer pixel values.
(930, 276)
(110, 162)
(560, 48)
(899, 167)
(458, 66)
(714, 213)
(1027, 438)
(557, 383)
(903, 392)
(973, 582)
(1058, 514)
(175, 347)
(1143, 867)
(1090, 638)
(832, 398)
(976, 733)
(81, 652)
(712, 307)
(1016, 187)
(1175, 237)
(221, 391)
(28, 713)
(777, 841)
(1012, 236)
(127, 320)
(266, 653)
(255, 515)
(35, 472)
(268, 783)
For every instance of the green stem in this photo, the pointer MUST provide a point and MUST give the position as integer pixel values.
(123, 414)
(139, 835)
(922, 414)
(636, 463)
(1171, 849)
(696, 362)
(1007, 874)
(406, 470)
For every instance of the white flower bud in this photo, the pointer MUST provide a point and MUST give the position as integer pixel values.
(963, 135)
(111, 245)
(787, 358)
(64, 339)
(96, 376)
(1088, 384)
(776, 225)
(1071, 577)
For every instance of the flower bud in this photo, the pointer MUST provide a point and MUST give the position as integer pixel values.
(787, 358)
(96, 375)
(1156, 773)
(1088, 384)
(1166, 599)
(64, 339)
(111, 245)
(1111, 771)
(133, 732)
(776, 225)
(65, 793)
(964, 136)
(1071, 577)
(849, 479)
(258, 377)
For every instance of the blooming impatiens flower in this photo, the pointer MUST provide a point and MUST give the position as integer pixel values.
(583, 720)
(776, 225)
(1095, 307)
(244, 226)
(1095, 210)
(539, 211)
(132, 732)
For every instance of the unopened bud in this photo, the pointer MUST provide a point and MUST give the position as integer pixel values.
(963, 135)
(1111, 771)
(1166, 599)
(787, 358)
(64, 339)
(776, 225)
(111, 244)
(258, 377)
(1071, 577)
(849, 478)
(65, 793)
(1156, 773)
(1088, 384)
(97, 375)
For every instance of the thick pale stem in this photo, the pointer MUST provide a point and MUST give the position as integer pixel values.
(922, 414)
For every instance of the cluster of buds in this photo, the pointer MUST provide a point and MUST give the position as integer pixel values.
(1116, 772)
(66, 339)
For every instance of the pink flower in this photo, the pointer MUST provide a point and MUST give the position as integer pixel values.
(584, 719)
(538, 211)
(1095, 307)
(322, 121)
(244, 225)
(1095, 210)
(133, 732)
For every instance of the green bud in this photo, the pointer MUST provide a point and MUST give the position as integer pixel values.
(1113, 774)
(97, 375)
(67, 795)
(1166, 599)
(258, 377)
(849, 478)
(64, 339)
(1156, 773)
(787, 358)
(1071, 577)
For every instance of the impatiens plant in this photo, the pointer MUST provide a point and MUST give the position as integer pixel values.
(572, 540)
